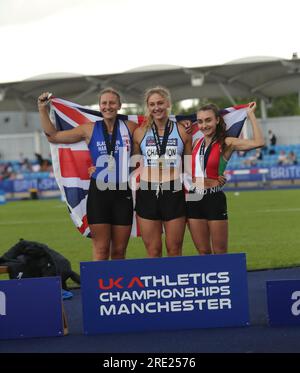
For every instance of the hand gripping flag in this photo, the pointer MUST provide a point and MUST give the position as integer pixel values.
(71, 161)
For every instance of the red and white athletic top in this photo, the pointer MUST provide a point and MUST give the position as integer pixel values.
(215, 165)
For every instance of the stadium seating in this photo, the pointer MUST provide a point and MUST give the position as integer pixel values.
(19, 172)
(268, 160)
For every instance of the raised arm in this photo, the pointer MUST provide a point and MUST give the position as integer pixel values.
(257, 141)
(54, 136)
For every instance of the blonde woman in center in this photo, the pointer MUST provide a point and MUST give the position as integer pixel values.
(160, 200)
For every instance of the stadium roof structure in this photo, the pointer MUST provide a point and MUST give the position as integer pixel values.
(257, 78)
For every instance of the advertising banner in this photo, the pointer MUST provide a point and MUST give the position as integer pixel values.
(283, 302)
(164, 293)
(31, 307)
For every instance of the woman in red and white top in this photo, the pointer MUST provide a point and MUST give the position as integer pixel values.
(207, 213)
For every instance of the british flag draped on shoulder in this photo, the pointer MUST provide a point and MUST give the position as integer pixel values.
(71, 161)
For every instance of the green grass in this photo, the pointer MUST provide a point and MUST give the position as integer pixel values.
(263, 224)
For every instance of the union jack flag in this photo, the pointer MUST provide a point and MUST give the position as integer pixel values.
(71, 161)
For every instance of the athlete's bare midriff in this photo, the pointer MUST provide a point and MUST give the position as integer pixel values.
(154, 174)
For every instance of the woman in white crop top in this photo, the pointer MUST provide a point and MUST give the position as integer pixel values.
(160, 201)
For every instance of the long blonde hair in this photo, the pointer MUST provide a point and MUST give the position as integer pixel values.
(163, 92)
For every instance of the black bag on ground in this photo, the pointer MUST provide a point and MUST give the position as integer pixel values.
(34, 259)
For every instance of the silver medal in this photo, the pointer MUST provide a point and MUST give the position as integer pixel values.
(201, 161)
(111, 163)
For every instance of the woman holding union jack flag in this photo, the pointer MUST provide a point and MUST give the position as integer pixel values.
(109, 201)
(207, 213)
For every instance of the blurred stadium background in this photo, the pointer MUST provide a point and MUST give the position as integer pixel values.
(263, 187)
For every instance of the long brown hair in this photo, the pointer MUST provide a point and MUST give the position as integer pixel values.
(221, 126)
(163, 92)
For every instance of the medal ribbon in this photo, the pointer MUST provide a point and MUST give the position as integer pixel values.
(110, 145)
(161, 146)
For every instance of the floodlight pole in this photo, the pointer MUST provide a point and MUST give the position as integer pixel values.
(227, 93)
(23, 110)
(263, 109)
(37, 142)
(264, 114)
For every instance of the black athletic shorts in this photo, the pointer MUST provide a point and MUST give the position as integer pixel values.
(212, 206)
(160, 201)
(109, 206)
